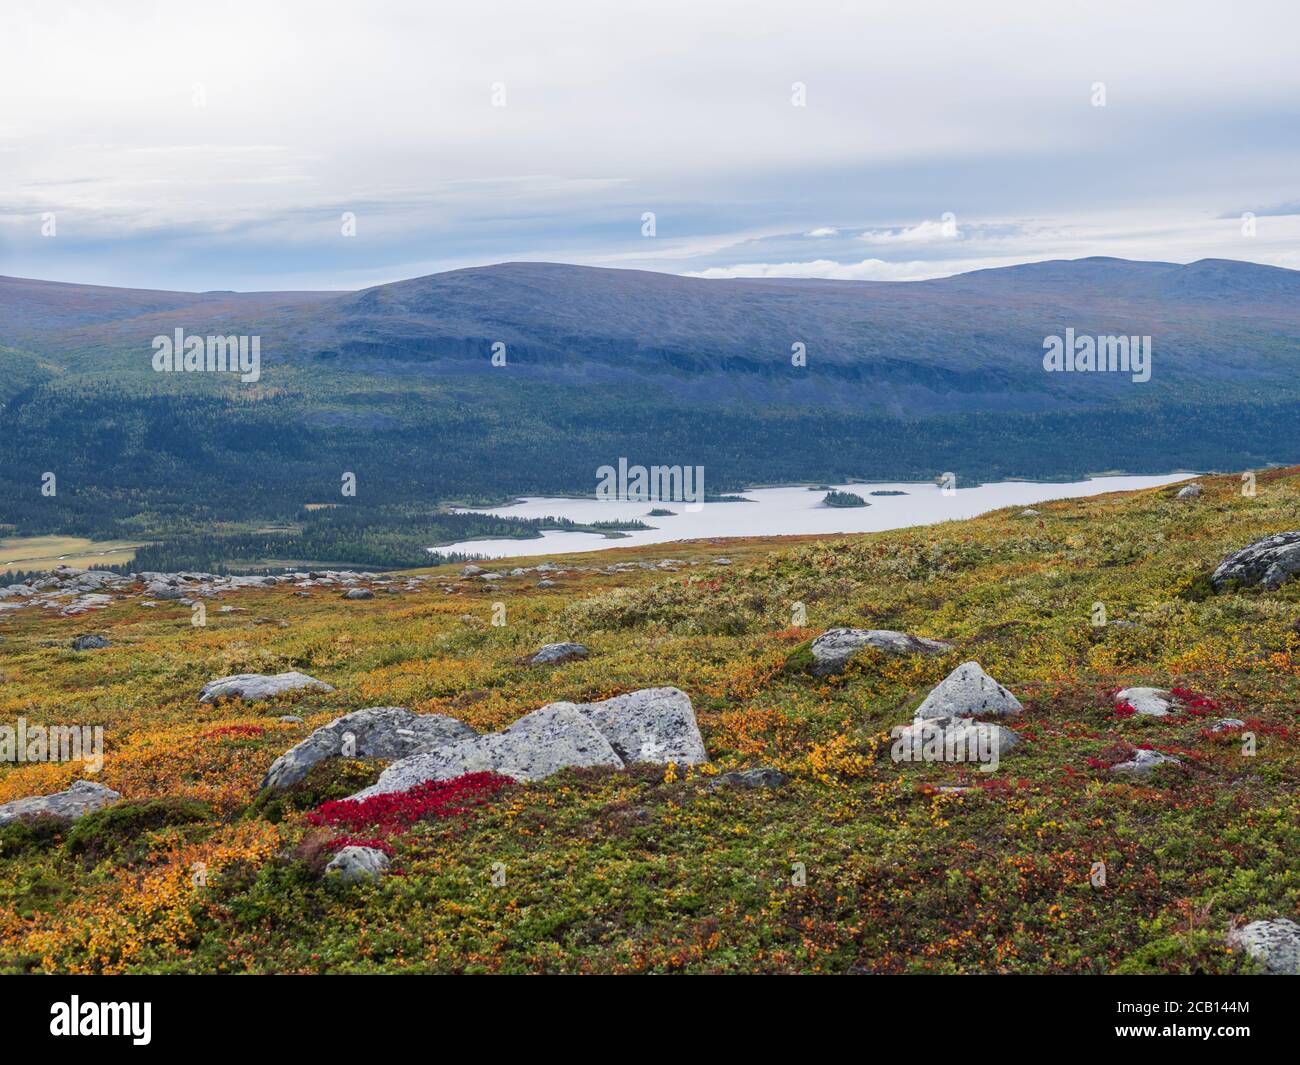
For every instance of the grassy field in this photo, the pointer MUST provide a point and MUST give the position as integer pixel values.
(857, 864)
(45, 552)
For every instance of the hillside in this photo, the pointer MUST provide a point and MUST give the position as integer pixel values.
(854, 863)
(395, 385)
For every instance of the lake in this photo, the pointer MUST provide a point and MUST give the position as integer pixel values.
(783, 512)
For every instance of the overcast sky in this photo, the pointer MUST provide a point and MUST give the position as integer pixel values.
(218, 145)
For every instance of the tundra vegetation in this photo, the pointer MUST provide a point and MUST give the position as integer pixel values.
(842, 861)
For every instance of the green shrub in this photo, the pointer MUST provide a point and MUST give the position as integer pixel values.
(31, 834)
(333, 778)
(118, 831)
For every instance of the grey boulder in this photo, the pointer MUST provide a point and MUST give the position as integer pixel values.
(1266, 563)
(968, 692)
(358, 593)
(1190, 491)
(1274, 944)
(89, 642)
(655, 725)
(85, 796)
(256, 687)
(557, 736)
(390, 732)
(832, 650)
(352, 864)
(557, 652)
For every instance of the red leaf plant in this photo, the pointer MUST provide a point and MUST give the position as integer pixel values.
(398, 810)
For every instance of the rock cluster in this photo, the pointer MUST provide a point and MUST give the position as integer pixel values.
(651, 725)
(72, 591)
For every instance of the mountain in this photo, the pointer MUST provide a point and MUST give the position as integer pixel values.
(973, 342)
(396, 384)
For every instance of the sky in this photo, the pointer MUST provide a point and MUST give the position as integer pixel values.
(201, 146)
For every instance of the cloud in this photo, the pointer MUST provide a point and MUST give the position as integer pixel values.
(307, 110)
(924, 233)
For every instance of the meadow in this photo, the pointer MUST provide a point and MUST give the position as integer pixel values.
(855, 864)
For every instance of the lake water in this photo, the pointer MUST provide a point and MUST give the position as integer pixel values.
(783, 512)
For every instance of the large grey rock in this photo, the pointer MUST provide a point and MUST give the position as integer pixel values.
(1266, 563)
(85, 796)
(654, 725)
(1274, 944)
(1190, 491)
(390, 732)
(256, 687)
(557, 652)
(968, 692)
(1150, 702)
(1143, 763)
(357, 863)
(358, 593)
(832, 650)
(557, 736)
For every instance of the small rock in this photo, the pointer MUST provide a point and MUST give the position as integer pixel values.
(832, 650)
(256, 687)
(1274, 944)
(551, 653)
(1150, 702)
(750, 778)
(1029, 512)
(89, 642)
(1227, 723)
(358, 593)
(1143, 762)
(290, 719)
(352, 864)
(546, 582)
(1191, 491)
(471, 571)
(85, 796)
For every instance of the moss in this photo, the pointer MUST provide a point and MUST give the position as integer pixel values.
(333, 778)
(1198, 589)
(121, 831)
(32, 834)
(800, 659)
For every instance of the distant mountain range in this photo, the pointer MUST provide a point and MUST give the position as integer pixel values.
(397, 384)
